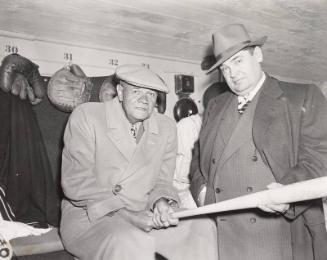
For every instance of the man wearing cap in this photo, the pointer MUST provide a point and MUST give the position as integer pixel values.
(117, 170)
(264, 134)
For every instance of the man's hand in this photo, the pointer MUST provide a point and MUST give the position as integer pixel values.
(275, 208)
(141, 219)
(162, 214)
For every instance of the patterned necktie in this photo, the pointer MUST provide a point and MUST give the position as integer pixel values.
(242, 106)
(133, 130)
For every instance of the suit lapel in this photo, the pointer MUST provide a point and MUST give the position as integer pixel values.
(237, 139)
(118, 132)
(268, 107)
(147, 146)
(210, 128)
(117, 129)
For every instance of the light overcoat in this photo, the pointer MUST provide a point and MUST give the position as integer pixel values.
(103, 170)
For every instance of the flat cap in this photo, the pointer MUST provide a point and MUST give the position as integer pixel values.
(140, 76)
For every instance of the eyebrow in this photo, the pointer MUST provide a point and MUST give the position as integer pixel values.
(239, 55)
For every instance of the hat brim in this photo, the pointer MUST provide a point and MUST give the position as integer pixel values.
(153, 86)
(233, 50)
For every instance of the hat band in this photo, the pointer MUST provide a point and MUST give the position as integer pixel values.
(237, 46)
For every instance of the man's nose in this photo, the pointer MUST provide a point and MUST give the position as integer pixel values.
(232, 71)
(144, 99)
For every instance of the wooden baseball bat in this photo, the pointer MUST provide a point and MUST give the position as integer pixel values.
(300, 191)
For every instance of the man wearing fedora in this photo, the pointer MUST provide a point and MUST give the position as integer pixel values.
(263, 134)
(117, 171)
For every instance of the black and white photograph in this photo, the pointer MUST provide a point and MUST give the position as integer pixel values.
(163, 130)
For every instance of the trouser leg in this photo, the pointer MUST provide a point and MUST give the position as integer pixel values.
(114, 239)
(192, 239)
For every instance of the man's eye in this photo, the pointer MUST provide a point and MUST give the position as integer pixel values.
(223, 69)
(237, 61)
(151, 94)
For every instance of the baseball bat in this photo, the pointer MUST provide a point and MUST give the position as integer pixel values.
(299, 191)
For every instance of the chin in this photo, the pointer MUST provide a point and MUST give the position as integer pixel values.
(241, 90)
(142, 117)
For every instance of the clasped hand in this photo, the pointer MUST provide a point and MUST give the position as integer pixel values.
(162, 215)
(275, 208)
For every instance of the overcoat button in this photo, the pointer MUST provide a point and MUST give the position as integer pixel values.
(217, 190)
(117, 188)
(253, 220)
(249, 189)
(254, 158)
(213, 160)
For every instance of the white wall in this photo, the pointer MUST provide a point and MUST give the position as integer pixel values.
(100, 61)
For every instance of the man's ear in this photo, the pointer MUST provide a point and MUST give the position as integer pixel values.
(120, 92)
(257, 52)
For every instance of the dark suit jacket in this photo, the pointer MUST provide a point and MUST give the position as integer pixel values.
(290, 133)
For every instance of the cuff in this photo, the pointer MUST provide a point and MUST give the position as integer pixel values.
(99, 209)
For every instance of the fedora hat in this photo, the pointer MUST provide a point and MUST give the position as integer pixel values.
(229, 40)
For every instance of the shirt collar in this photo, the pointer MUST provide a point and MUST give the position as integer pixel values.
(251, 94)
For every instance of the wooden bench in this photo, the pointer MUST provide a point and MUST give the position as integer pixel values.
(45, 246)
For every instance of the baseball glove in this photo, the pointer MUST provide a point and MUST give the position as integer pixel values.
(15, 64)
(69, 87)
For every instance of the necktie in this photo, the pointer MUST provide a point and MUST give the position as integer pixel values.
(133, 130)
(242, 106)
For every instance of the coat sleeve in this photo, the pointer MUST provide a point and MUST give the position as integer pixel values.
(198, 182)
(196, 177)
(79, 182)
(312, 151)
(164, 184)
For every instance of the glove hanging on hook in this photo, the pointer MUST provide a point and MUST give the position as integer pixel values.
(14, 64)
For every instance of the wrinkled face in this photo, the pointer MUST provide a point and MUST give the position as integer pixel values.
(138, 103)
(243, 70)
